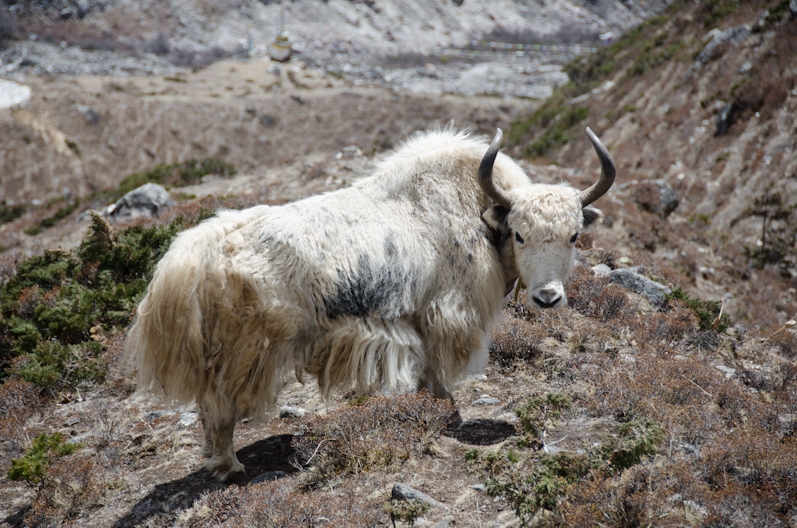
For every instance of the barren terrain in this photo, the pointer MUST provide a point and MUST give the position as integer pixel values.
(617, 411)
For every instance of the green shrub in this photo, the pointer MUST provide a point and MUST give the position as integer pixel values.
(45, 448)
(53, 365)
(177, 174)
(9, 213)
(708, 312)
(52, 220)
(557, 121)
(532, 480)
(535, 414)
(635, 441)
(47, 310)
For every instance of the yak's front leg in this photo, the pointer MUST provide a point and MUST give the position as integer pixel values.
(222, 463)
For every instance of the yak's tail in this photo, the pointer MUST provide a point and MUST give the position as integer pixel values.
(180, 339)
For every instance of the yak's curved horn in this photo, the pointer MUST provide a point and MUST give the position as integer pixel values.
(606, 180)
(486, 173)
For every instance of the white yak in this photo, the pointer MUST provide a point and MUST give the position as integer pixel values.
(390, 284)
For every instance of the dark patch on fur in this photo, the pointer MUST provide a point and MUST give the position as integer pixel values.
(369, 289)
(390, 246)
(495, 219)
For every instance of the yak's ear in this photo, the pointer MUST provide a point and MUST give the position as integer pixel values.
(591, 215)
(495, 217)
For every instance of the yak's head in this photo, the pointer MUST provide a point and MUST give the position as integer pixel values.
(539, 225)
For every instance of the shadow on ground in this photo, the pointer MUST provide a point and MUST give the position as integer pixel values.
(481, 431)
(270, 454)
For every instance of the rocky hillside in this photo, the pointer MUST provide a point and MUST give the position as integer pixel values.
(663, 395)
(701, 101)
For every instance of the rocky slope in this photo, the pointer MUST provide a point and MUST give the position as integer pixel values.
(624, 409)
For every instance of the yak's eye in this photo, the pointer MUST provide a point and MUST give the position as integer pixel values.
(573, 238)
(519, 238)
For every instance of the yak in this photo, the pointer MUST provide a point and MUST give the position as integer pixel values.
(391, 284)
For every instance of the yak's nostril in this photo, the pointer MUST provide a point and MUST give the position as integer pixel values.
(550, 303)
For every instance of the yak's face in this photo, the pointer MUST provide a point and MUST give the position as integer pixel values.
(540, 224)
(542, 228)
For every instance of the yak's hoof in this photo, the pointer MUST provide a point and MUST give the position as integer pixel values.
(223, 470)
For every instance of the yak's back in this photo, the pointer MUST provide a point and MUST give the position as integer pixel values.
(436, 161)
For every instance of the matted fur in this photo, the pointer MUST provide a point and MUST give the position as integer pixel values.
(391, 284)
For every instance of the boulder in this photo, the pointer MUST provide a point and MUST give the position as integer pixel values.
(148, 200)
(719, 37)
(653, 291)
(404, 492)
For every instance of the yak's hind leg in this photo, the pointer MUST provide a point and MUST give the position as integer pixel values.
(207, 445)
(431, 382)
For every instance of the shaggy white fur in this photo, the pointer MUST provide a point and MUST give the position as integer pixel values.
(389, 285)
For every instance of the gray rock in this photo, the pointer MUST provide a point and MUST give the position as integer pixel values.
(486, 400)
(188, 418)
(289, 411)
(656, 196)
(729, 372)
(404, 492)
(601, 270)
(268, 476)
(445, 522)
(479, 487)
(651, 290)
(724, 119)
(89, 114)
(734, 34)
(148, 200)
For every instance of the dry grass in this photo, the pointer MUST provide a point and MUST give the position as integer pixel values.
(380, 433)
(280, 503)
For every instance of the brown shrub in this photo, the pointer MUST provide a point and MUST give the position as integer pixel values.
(19, 400)
(383, 431)
(515, 339)
(279, 503)
(68, 489)
(594, 296)
(650, 495)
(658, 329)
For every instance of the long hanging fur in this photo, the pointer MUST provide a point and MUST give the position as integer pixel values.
(391, 284)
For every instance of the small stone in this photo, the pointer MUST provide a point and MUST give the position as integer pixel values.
(268, 476)
(486, 400)
(154, 415)
(289, 411)
(444, 522)
(188, 418)
(89, 114)
(479, 487)
(724, 119)
(730, 373)
(404, 492)
(480, 377)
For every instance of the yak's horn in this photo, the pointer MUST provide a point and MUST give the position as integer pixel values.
(607, 172)
(486, 173)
